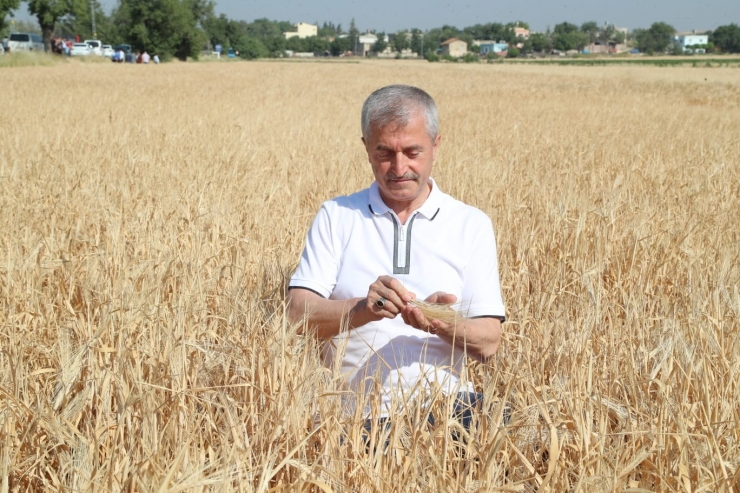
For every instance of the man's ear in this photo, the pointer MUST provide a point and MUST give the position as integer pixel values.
(435, 145)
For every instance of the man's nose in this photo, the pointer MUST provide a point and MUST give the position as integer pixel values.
(399, 164)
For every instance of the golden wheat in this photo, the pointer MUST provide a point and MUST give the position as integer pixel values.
(151, 216)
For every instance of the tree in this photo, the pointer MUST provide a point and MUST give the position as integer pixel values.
(80, 22)
(399, 41)
(512, 52)
(540, 42)
(354, 34)
(416, 41)
(340, 45)
(591, 29)
(166, 27)
(567, 37)
(217, 29)
(656, 39)
(48, 12)
(726, 38)
(380, 45)
(6, 8)
(250, 48)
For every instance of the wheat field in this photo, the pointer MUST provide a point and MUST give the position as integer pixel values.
(150, 215)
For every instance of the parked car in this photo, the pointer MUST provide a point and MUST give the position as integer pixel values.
(25, 42)
(96, 46)
(108, 51)
(80, 49)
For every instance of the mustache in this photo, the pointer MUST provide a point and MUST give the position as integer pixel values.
(406, 176)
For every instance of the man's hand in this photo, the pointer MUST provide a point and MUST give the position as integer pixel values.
(389, 293)
(416, 319)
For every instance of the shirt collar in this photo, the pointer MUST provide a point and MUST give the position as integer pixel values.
(428, 209)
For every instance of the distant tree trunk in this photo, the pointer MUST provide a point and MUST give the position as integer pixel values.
(46, 32)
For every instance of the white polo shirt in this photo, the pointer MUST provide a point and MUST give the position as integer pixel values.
(445, 245)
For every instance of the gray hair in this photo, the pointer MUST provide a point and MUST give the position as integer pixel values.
(397, 104)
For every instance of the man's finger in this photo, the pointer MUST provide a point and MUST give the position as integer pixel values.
(394, 284)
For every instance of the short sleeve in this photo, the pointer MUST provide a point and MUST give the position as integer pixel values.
(319, 264)
(481, 296)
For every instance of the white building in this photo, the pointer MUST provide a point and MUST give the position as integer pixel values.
(365, 43)
(303, 30)
(684, 40)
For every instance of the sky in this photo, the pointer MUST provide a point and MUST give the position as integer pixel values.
(393, 15)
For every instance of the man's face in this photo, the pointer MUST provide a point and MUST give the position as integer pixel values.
(402, 157)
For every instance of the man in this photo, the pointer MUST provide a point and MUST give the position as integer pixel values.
(369, 255)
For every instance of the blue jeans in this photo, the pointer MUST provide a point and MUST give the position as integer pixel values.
(466, 404)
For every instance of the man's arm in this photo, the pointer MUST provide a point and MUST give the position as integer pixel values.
(480, 337)
(323, 317)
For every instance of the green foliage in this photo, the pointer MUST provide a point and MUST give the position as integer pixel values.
(329, 30)
(380, 45)
(591, 29)
(491, 56)
(494, 31)
(513, 52)
(416, 41)
(432, 56)
(169, 28)
(312, 44)
(656, 39)
(399, 41)
(540, 42)
(6, 8)
(470, 58)
(79, 22)
(340, 45)
(726, 38)
(353, 34)
(567, 37)
(250, 48)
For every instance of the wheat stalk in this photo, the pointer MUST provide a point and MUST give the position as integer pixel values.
(438, 311)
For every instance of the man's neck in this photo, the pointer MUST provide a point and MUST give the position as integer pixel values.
(404, 210)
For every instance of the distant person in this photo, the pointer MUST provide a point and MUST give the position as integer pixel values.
(5, 45)
(138, 57)
(145, 57)
(156, 59)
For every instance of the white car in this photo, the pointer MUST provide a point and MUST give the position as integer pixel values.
(25, 42)
(96, 46)
(108, 51)
(80, 49)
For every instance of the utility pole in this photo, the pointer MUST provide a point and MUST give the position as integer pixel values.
(92, 11)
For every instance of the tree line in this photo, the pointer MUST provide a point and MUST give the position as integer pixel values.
(184, 28)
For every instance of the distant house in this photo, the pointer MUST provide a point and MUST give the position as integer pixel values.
(599, 48)
(303, 30)
(454, 47)
(500, 49)
(521, 32)
(685, 40)
(365, 43)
